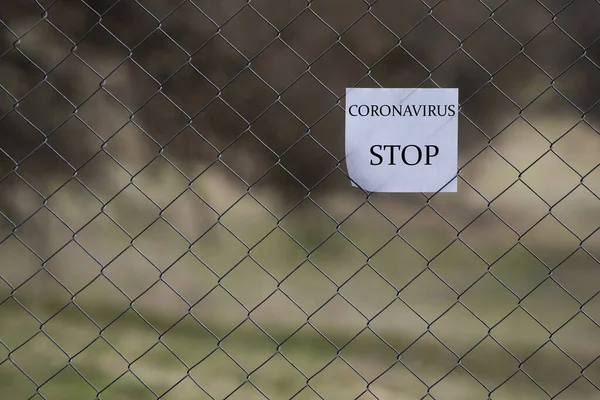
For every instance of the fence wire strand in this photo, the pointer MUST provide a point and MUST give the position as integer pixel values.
(427, 203)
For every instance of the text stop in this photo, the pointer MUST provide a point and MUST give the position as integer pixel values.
(390, 154)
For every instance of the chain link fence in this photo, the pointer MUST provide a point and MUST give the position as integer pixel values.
(176, 219)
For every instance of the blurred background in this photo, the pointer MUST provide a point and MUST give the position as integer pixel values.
(176, 220)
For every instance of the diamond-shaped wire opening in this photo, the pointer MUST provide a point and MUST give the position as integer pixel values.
(579, 275)
(305, 279)
(103, 239)
(333, 79)
(132, 273)
(24, 326)
(552, 380)
(189, 340)
(249, 157)
(309, 86)
(43, 295)
(249, 221)
(490, 300)
(592, 372)
(579, 339)
(219, 312)
(67, 382)
(397, 380)
(130, 335)
(131, 210)
(531, 335)
(278, 378)
(279, 128)
(185, 388)
(78, 90)
(73, 20)
(144, 368)
(457, 384)
(553, 60)
(279, 254)
(579, 211)
(385, 72)
(19, 384)
(177, 22)
(338, 379)
(569, 84)
(248, 45)
(321, 132)
(128, 383)
(190, 278)
(551, 305)
(318, 229)
(379, 357)
(71, 330)
(160, 119)
(161, 182)
(577, 146)
(417, 232)
(208, 250)
(249, 283)
(39, 358)
(459, 329)
(585, 13)
(113, 53)
(309, 36)
(308, 172)
(36, 42)
(469, 81)
(279, 316)
(187, 150)
(523, 19)
(444, 43)
(16, 63)
(520, 270)
(19, 263)
(368, 53)
(88, 298)
(428, 295)
(580, 387)
(476, 109)
(262, 350)
(308, 350)
(493, 375)
(279, 14)
(550, 241)
(248, 95)
(452, 18)
(153, 310)
(505, 236)
(118, 19)
(398, 324)
(591, 181)
(357, 230)
(339, 310)
(121, 100)
(523, 385)
(370, 303)
(175, 244)
(218, 374)
(459, 266)
(429, 359)
(398, 262)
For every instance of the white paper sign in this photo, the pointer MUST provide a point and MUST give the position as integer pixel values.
(402, 140)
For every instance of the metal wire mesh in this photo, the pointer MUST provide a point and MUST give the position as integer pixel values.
(130, 269)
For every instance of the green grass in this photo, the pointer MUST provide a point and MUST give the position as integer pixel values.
(353, 297)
